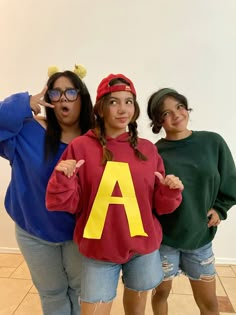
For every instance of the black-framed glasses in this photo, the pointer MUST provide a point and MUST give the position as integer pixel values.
(71, 94)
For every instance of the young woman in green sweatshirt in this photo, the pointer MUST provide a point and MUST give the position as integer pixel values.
(205, 164)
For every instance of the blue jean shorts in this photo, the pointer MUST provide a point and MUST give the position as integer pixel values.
(193, 263)
(99, 279)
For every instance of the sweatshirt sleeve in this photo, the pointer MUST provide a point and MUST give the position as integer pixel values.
(63, 193)
(166, 200)
(13, 111)
(226, 196)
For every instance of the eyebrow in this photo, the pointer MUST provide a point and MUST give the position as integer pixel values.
(179, 103)
(117, 98)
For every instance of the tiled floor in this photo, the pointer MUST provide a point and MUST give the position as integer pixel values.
(19, 297)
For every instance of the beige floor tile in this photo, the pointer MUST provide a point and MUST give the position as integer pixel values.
(225, 271)
(5, 272)
(182, 304)
(33, 289)
(11, 260)
(225, 304)
(22, 272)
(30, 305)
(181, 285)
(149, 305)
(12, 293)
(220, 291)
(230, 288)
(117, 307)
(234, 268)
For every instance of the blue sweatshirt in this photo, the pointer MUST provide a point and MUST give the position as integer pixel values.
(22, 144)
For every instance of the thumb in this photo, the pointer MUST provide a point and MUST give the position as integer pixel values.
(79, 163)
(159, 176)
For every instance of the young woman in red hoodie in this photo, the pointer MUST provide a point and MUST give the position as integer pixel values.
(112, 180)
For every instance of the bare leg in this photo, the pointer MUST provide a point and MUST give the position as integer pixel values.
(134, 302)
(159, 298)
(99, 308)
(204, 292)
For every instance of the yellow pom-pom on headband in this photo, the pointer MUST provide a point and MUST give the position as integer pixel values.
(80, 70)
(52, 70)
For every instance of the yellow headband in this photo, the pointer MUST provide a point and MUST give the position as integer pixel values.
(80, 70)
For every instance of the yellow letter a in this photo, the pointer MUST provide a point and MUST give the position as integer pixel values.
(120, 173)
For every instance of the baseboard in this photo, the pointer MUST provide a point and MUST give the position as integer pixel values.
(225, 261)
(9, 250)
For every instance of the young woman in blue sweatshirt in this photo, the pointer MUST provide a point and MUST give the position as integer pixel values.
(33, 145)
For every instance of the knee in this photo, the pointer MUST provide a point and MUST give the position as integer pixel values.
(162, 291)
(53, 293)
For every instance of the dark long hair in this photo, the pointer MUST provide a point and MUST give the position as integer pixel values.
(86, 118)
(100, 127)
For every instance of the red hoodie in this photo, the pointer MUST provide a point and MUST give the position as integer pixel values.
(113, 203)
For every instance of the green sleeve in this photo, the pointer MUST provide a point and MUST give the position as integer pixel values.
(226, 197)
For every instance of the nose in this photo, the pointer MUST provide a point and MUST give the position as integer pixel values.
(122, 107)
(175, 114)
(63, 97)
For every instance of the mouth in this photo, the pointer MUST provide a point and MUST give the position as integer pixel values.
(65, 110)
(178, 122)
(122, 119)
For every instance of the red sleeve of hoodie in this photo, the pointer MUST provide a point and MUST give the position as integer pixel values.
(63, 193)
(166, 200)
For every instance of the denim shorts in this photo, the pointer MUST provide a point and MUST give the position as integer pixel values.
(193, 263)
(99, 279)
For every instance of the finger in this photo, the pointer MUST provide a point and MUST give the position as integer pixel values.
(67, 171)
(79, 163)
(36, 109)
(44, 90)
(159, 176)
(210, 213)
(45, 104)
(41, 95)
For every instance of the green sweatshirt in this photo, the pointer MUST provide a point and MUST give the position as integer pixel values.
(206, 167)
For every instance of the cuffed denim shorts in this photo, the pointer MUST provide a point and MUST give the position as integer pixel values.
(99, 279)
(194, 264)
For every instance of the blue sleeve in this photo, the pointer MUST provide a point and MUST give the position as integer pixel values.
(13, 112)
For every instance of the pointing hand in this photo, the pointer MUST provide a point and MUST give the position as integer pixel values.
(68, 167)
(173, 182)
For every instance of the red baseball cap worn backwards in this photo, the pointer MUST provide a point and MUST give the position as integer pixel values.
(105, 87)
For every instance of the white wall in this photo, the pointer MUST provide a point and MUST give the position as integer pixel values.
(186, 44)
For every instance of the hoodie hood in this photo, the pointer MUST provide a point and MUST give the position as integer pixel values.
(124, 137)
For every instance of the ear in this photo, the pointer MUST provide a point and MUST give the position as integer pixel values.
(100, 113)
(101, 110)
